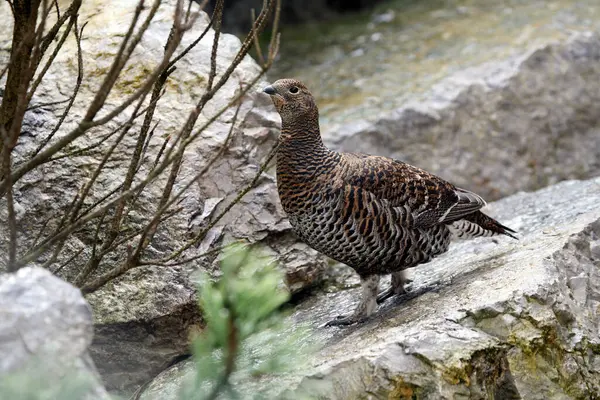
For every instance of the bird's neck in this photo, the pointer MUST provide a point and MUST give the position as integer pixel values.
(302, 158)
(300, 143)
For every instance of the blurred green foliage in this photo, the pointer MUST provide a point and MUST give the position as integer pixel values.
(245, 343)
(246, 336)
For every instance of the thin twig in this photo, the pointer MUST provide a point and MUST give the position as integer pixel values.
(51, 59)
(41, 231)
(192, 45)
(73, 10)
(184, 135)
(87, 122)
(3, 71)
(217, 33)
(125, 239)
(259, 54)
(101, 200)
(129, 264)
(86, 150)
(69, 261)
(12, 220)
(78, 36)
(148, 234)
(153, 174)
(153, 225)
(161, 150)
(37, 53)
(119, 60)
(55, 2)
(214, 250)
(20, 73)
(51, 103)
(202, 234)
(94, 261)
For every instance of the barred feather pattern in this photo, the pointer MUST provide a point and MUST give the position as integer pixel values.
(464, 229)
(375, 214)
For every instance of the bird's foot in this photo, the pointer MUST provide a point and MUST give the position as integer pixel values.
(346, 320)
(392, 291)
(366, 306)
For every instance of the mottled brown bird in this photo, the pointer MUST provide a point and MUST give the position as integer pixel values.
(375, 214)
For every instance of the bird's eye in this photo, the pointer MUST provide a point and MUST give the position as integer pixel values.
(294, 89)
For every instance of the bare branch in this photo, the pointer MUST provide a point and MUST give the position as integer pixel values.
(146, 237)
(275, 38)
(161, 151)
(259, 54)
(86, 124)
(120, 201)
(218, 15)
(78, 36)
(41, 231)
(51, 59)
(128, 264)
(128, 125)
(72, 11)
(48, 104)
(202, 234)
(166, 203)
(69, 261)
(213, 251)
(3, 71)
(119, 61)
(101, 200)
(87, 150)
(195, 42)
(37, 51)
(12, 108)
(12, 220)
(55, 2)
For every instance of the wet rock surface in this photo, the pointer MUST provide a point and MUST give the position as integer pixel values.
(509, 319)
(46, 329)
(520, 124)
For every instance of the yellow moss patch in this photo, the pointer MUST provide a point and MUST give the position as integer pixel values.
(404, 391)
(456, 376)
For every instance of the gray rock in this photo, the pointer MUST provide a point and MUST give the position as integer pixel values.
(45, 331)
(144, 318)
(516, 124)
(505, 319)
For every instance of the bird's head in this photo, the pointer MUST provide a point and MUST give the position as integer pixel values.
(292, 100)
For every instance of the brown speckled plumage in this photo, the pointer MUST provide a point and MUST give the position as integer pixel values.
(375, 214)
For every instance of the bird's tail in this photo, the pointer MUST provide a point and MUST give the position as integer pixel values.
(478, 224)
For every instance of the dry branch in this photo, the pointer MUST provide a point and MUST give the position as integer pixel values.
(107, 215)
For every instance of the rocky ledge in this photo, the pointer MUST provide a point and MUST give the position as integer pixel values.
(506, 319)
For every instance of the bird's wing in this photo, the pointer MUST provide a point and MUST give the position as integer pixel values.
(430, 199)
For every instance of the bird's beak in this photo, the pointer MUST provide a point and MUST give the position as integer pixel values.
(270, 90)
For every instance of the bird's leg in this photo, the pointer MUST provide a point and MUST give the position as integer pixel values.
(398, 286)
(367, 305)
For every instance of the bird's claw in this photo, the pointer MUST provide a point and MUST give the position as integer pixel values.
(390, 292)
(345, 320)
